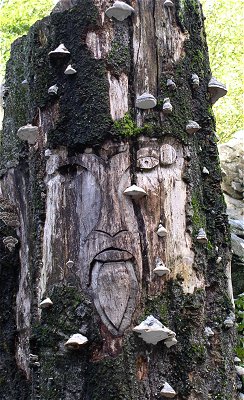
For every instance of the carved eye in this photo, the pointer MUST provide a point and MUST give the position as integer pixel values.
(147, 162)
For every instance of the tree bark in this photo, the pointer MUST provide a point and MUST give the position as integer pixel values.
(67, 193)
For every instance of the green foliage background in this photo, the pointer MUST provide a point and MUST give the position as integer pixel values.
(224, 25)
(16, 17)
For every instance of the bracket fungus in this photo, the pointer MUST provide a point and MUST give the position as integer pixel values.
(192, 127)
(195, 81)
(208, 332)
(239, 370)
(205, 171)
(70, 70)
(46, 303)
(119, 10)
(229, 321)
(237, 360)
(135, 192)
(153, 331)
(28, 132)
(167, 391)
(10, 242)
(59, 52)
(171, 341)
(168, 3)
(76, 341)
(25, 82)
(201, 236)
(216, 90)
(162, 231)
(53, 90)
(70, 263)
(146, 101)
(171, 84)
(161, 269)
(167, 106)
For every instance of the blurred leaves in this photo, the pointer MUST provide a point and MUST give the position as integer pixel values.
(224, 27)
(16, 17)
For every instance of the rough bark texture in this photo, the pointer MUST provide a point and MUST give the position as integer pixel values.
(71, 205)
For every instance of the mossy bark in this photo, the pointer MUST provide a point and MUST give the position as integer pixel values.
(79, 118)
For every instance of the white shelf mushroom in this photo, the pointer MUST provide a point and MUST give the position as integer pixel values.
(46, 303)
(195, 81)
(135, 192)
(59, 52)
(192, 127)
(162, 231)
(219, 259)
(76, 341)
(229, 322)
(25, 82)
(153, 331)
(146, 101)
(161, 269)
(167, 391)
(170, 342)
(29, 133)
(53, 90)
(167, 106)
(168, 3)
(70, 70)
(201, 236)
(205, 171)
(239, 370)
(171, 84)
(216, 90)
(119, 10)
(208, 332)
(237, 360)
(70, 263)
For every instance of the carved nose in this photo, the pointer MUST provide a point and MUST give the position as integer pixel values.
(112, 213)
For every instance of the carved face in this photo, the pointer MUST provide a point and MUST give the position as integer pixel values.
(111, 237)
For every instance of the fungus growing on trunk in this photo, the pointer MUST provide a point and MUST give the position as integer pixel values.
(29, 133)
(119, 10)
(171, 84)
(168, 391)
(162, 231)
(146, 101)
(195, 81)
(161, 269)
(46, 303)
(53, 90)
(216, 90)
(59, 52)
(70, 70)
(135, 192)
(192, 127)
(201, 236)
(153, 331)
(167, 106)
(76, 341)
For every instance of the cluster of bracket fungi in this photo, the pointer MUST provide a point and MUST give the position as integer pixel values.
(150, 330)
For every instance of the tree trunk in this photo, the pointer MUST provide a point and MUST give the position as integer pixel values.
(65, 201)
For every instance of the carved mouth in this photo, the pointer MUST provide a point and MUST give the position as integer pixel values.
(115, 255)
